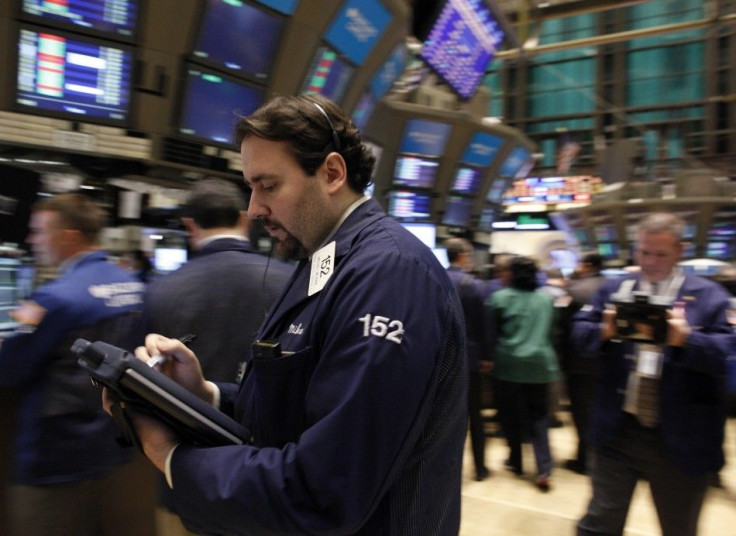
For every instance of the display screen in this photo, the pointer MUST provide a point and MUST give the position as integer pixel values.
(389, 72)
(363, 110)
(211, 103)
(424, 137)
(357, 28)
(415, 171)
(582, 236)
(168, 259)
(329, 75)
(426, 232)
(495, 193)
(462, 43)
(73, 77)
(458, 211)
(284, 6)
(467, 180)
(515, 163)
(380, 85)
(487, 217)
(405, 205)
(482, 149)
(239, 37)
(720, 250)
(604, 233)
(720, 230)
(608, 250)
(116, 18)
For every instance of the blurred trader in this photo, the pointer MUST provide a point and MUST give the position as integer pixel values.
(224, 291)
(660, 410)
(70, 477)
(472, 294)
(359, 427)
(581, 370)
(521, 329)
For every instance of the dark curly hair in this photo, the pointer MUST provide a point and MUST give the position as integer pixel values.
(312, 126)
(523, 273)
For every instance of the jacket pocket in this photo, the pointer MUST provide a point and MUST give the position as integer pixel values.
(280, 387)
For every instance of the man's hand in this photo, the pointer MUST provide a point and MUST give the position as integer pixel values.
(156, 437)
(181, 365)
(608, 323)
(678, 329)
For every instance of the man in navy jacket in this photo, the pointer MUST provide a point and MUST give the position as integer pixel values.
(68, 471)
(359, 426)
(679, 444)
(225, 289)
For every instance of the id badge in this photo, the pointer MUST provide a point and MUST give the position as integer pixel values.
(323, 265)
(649, 361)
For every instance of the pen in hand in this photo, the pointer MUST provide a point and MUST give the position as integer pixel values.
(160, 359)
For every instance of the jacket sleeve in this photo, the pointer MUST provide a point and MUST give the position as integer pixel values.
(586, 323)
(22, 355)
(708, 345)
(380, 334)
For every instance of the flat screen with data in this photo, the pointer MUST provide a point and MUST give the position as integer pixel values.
(73, 77)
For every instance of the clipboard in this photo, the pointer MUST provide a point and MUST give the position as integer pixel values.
(145, 389)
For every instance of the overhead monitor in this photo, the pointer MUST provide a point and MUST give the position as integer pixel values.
(239, 37)
(425, 137)
(458, 211)
(363, 109)
(329, 75)
(357, 28)
(516, 164)
(467, 179)
(116, 19)
(415, 171)
(284, 6)
(380, 85)
(462, 43)
(73, 77)
(487, 217)
(497, 190)
(211, 103)
(481, 149)
(406, 205)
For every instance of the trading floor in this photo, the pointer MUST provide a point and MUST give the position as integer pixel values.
(507, 505)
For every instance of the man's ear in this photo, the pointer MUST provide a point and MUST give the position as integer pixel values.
(336, 171)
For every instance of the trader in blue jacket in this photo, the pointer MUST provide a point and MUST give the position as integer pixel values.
(358, 427)
(69, 475)
(660, 413)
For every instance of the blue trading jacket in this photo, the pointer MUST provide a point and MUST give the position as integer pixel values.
(692, 390)
(361, 429)
(62, 433)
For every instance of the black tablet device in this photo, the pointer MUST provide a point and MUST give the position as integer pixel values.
(145, 389)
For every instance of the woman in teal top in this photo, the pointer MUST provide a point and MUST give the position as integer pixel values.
(524, 364)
